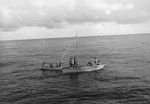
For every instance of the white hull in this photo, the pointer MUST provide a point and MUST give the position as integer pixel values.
(83, 69)
(69, 70)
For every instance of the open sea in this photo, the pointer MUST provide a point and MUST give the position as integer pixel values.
(124, 80)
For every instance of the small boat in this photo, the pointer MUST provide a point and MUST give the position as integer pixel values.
(69, 70)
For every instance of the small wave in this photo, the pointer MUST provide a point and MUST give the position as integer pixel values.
(120, 94)
(107, 79)
(4, 64)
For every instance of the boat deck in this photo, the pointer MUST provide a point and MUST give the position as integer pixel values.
(74, 69)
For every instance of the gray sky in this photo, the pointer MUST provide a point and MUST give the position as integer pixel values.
(26, 19)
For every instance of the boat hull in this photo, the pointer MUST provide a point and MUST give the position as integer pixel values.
(68, 70)
(83, 69)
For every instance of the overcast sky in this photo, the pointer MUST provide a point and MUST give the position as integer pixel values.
(26, 19)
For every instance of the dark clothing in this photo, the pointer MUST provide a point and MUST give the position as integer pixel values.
(70, 63)
(98, 62)
(89, 64)
(75, 62)
(59, 64)
(51, 66)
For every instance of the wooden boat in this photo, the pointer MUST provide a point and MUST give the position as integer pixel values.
(83, 69)
(67, 70)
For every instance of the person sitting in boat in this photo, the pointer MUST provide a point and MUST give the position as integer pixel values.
(46, 65)
(57, 65)
(43, 65)
(51, 65)
(89, 63)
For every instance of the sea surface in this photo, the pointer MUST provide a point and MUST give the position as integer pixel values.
(124, 80)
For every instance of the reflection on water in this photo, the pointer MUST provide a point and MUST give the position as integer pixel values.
(74, 83)
(72, 78)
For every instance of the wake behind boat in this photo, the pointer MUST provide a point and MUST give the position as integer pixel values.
(74, 66)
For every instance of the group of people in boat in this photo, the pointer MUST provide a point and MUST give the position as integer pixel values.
(51, 65)
(96, 62)
(73, 62)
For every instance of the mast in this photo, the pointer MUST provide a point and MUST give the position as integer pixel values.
(76, 49)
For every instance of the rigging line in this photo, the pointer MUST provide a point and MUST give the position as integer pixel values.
(65, 53)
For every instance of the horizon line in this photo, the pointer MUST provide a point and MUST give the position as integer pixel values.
(73, 37)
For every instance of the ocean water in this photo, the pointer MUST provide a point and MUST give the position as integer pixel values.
(124, 80)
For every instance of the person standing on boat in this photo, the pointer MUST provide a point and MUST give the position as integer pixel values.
(71, 62)
(96, 60)
(60, 64)
(75, 62)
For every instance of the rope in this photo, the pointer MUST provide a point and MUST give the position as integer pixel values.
(65, 53)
